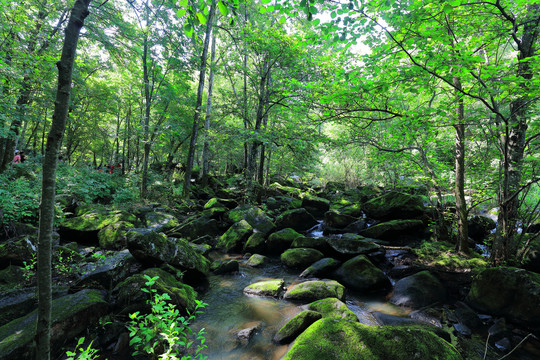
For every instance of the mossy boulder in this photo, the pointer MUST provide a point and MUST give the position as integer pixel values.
(360, 274)
(114, 236)
(394, 229)
(160, 221)
(296, 326)
(130, 298)
(336, 220)
(154, 249)
(337, 339)
(297, 219)
(318, 243)
(281, 240)
(235, 238)
(300, 257)
(315, 290)
(16, 251)
(71, 316)
(254, 217)
(333, 308)
(418, 290)
(286, 190)
(321, 268)
(256, 243)
(219, 267)
(480, 227)
(350, 245)
(105, 273)
(85, 228)
(195, 227)
(257, 260)
(315, 205)
(272, 288)
(394, 205)
(507, 291)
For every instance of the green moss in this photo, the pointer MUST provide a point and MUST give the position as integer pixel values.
(213, 203)
(332, 339)
(265, 288)
(333, 308)
(113, 236)
(296, 326)
(288, 235)
(300, 257)
(315, 290)
(256, 260)
(94, 221)
(442, 254)
(235, 236)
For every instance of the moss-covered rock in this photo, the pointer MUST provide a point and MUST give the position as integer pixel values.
(160, 221)
(297, 219)
(418, 290)
(155, 249)
(235, 238)
(71, 316)
(394, 205)
(333, 308)
(225, 266)
(296, 326)
(114, 236)
(315, 205)
(17, 250)
(300, 257)
(350, 245)
(281, 240)
(315, 290)
(360, 274)
(335, 339)
(480, 227)
(507, 291)
(130, 298)
(257, 260)
(336, 220)
(85, 228)
(321, 268)
(271, 288)
(318, 243)
(254, 217)
(256, 243)
(286, 190)
(195, 227)
(394, 229)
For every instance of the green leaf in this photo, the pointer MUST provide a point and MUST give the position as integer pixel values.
(316, 22)
(188, 30)
(224, 10)
(448, 8)
(201, 18)
(283, 19)
(183, 3)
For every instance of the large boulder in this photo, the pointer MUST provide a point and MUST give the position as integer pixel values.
(338, 339)
(160, 221)
(418, 290)
(109, 270)
(318, 243)
(507, 291)
(254, 217)
(71, 316)
(296, 326)
(394, 205)
(315, 205)
(130, 298)
(155, 249)
(336, 220)
(321, 268)
(333, 308)
(281, 240)
(235, 238)
(300, 257)
(195, 227)
(16, 251)
(256, 243)
(350, 245)
(114, 236)
(271, 288)
(315, 290)
(394, 229)
(85, 228)
(360, 274)
(297, 219)
(480, 227)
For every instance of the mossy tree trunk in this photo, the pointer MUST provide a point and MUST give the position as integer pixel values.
(50, 163)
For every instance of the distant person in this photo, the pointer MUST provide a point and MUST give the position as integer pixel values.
(23, 157)
(17, 158)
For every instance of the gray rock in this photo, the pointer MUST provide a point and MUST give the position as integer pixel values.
(418, 290)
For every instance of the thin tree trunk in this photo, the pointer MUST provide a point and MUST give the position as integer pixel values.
(50, 163)
(200, 90)
(462, 241)
(206, 146)
(148, 104)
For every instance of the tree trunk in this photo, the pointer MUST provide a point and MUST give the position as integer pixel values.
(513, 145)
(200, 90)
(148, 104)
(206, 146)
(50, 163)
(462, 241)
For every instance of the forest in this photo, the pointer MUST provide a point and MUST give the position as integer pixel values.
(269, 179)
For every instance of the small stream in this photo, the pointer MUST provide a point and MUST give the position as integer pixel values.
(230, 311)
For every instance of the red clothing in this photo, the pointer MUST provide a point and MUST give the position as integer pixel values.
(17, 159)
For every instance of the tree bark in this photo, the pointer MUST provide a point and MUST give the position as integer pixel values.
(50, 163)
(208, 118)
(200, 90)
(148, 104)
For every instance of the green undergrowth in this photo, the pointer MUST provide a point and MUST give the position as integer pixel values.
(443, 254)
